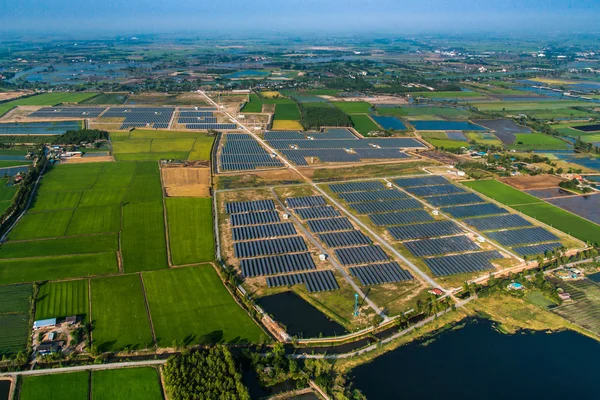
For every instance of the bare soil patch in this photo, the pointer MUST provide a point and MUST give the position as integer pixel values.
(186, 181)
(11, 95)
(83, 160)
(532, 182)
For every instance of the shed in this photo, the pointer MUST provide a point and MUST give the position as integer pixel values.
(44, 323)
(436, 291)
(564, 296)
(71, 320)
(48, 348)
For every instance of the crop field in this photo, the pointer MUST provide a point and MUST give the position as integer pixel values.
(191, 235)
(447, 144)
(106, 98)
(254, 105)
(126, 384)
(42, 225)
(486, 138)
(46, 99)
(501, 192)
(6, 195)
(62, 299)
(60, 246)
(151, 145)
(445, 112)
(14, 318)
(287, 112)
(448, 95)
(353, 107)
(119, 317)
(58, 267)
(364, 124)
(191, 305)
(585, 309)
(529, 105)
(143, 237)
(72, 386)
(286, 125)
(538, 141)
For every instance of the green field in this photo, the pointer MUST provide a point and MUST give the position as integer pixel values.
(447, 95)
(107, 98)
(14, 318)
(353, 107)
(63, 299)
(46, 99)
(119, 317)
(563, 220)
(538, 141)
(71, 386)
(529, 105)
(154, 145)
(59, 267)
(447, 143)
(191, 235)
(254, 105)
(90, 220)
(191, 305)
(126, 384)
(61, 246)
(287, 112)
(486, 138)
(423, 111)
(55, 200)
(42, 225)
(143, 238)
(501, 192)
(364, 124)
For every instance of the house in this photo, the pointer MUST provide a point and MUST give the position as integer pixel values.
(48, 348)
(436, 291)
(42, 323)
(564, 296)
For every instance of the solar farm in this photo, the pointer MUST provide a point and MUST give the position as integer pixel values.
(240, 152)
(337, 145)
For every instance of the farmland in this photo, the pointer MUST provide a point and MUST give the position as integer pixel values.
(73, 386)
(538, 141)
(363, 124)
(153, 145)
(106, 98)
(62, 299)
(191, 305)
(190, 230)
(353, 107)
(502, 192)
(14, 318)
(126, 384)
(254, 104)
(119, 317)
(46, 99)
(424, 112)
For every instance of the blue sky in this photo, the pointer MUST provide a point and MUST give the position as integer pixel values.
(395, 16)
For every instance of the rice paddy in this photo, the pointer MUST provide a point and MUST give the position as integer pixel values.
(364, 124)
(154, 145)
(14, 318)
(190, 230)
(72, 386)
(126, 384)
(63, 299)
(353, 107)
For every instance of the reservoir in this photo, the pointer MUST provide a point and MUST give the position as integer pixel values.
(477, 360)
(446, 126)
(388, 122)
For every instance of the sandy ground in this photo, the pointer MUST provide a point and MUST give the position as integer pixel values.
(82, 160)
(370, 99)
(532, 182)
(11, 95)
(186, 182)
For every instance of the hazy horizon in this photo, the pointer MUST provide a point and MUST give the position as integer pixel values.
(309, 16)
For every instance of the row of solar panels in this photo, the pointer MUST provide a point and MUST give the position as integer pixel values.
(330, 133)
(315, 281)
(241, 153)
(66, 112)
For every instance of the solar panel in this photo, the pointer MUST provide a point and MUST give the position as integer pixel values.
(361, 255)
(268, 247)
(522, 236)
(330, 225)
(317, 212)
(344, 239)
(537, 249)
(316, 281)
(498, 222)
(400, 218)
(454, 199)
(462, 263)
(474, 210)
(254, 218)
(67, 112)
(356, 186)
(263, 231)
(423, 191)
(247, 206)
(276, 264)
(420, 231)
(363, 197)
(377, 274)
(306, 201)
(386, 206)
(425, 180)
(432, 247)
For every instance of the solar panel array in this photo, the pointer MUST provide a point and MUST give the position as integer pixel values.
(498, 222)
(420, 231)
(454, 199)
(67, 112)
(241, 152)
(361, 197)
(426, 180)
(315, 281)
(522, 236)
(431, 247)
(220, 126)
(376, 274)
(423, 191)
(474, 210)
(350, 245)
(157, 117)
(257, 232)
(536, 249)
(401, 218)
(386, 206)
(462, 263)
(337, 145)
(356, 186)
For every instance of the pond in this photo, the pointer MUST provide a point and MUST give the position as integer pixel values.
(4, 389)
(446, 126)
(249, 73)
(477, 360)
(300, 318)
(388, 122)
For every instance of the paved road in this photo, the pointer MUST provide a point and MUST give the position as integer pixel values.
(85, 368)
(416, 271)
(330, 258)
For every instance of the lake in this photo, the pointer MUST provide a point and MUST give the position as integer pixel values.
(300, 317)
(476, 360)
(446, 126)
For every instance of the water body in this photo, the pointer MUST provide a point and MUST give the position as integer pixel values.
(246, 74)
(479, 361)
(594, 277)
(4, 389)
(39, 128)
(446, 126)
(388, 122)
(300, 318)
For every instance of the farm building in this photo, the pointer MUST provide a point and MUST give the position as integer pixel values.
(42, 323)
(436, 291)
(48, 348)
